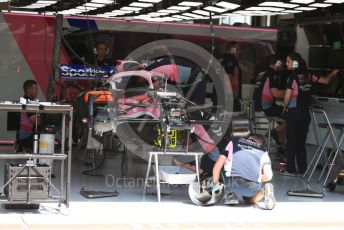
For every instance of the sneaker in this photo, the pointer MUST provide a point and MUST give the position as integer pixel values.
(269, 198)
(231, 199)
(291, 174)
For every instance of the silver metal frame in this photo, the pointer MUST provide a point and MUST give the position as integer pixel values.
(64, 192)
(329, 136)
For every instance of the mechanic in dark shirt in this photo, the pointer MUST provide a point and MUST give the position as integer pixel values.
(28, 121)
(232, 68)
(267, 92)
(296, 106)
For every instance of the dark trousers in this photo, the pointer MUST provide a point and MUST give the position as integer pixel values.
(297, 122)
(26, 143)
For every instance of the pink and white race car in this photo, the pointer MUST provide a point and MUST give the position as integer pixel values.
(132, 86)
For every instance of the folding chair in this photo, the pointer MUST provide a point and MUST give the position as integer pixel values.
(321, 121)
(259, 121)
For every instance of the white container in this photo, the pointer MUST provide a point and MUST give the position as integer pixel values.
(46, 143)
(176, 175)
(46, 146)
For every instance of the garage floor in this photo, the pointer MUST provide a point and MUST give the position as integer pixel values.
(131, 210)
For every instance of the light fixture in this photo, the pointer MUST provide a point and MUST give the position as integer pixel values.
(302, 1)
(141, 4)
(202, 12)
(168, 11)
(155, 14)
(129, 8)
(192, 15)
(46, 2)
(292, 11)
(273, 9)
(320, 5)
(85, 8)
(252, 12)
(94, 5)
(228, 5)
(192, 4)
(182, 17)
(279, 4)
(334, 1)
(305, 8)
(153, 1)
(102, 1)
(181, 8)
(122, 11)
(215, 9)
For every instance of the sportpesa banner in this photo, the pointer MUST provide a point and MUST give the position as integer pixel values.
(85, 72)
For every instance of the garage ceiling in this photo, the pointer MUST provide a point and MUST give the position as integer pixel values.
(169, 10)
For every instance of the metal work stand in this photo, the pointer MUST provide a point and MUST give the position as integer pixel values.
(156, 161)
(30, 167)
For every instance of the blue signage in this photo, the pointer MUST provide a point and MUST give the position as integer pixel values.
(85, 72)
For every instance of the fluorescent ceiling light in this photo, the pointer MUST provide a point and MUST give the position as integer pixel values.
(168, 11)
(305, 8)
(102, 1)
(141, 4)
(169, 19)
(252, 13)
(4, 0)
(215, 9)
(155, 19)
(334, 1)
(229, 14)
(181, 8)
(320, 5)
(279, 13)
(279, 4)
(122, 11)
(46, 2)
(273, 9)
(193, 15)
(182, 17)
(144, 15)
(110, 13)
(193, 4)
(202, 12)
(154, 1)
(302, 1)
(155, 14)
(292, 11)
(228, 5)
(94, 5)
(131, 8)
(85, 8)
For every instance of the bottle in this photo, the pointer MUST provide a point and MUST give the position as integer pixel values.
(35, 143)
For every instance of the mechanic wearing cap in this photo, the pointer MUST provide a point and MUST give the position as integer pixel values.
(246, 165)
